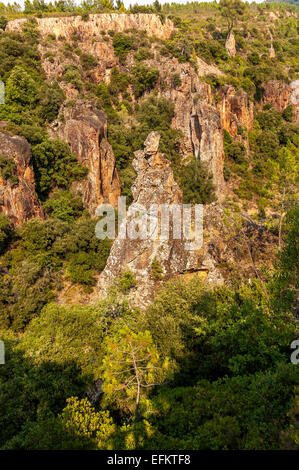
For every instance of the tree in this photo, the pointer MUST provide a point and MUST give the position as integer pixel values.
(64, 205)
(196, 183)
(21, 89)
(84, 423)
(3, 22)
(131, 366)
(5, 231)
(55, 166)
(284, 179)
(231, 10)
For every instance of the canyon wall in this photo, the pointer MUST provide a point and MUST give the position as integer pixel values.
(235, 110)
(18, 198)
(154, 184)
(65, 27)
(84, 128)
(280, 95)
(195, 113)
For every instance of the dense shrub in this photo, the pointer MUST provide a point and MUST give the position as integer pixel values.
(55, 166)
(145, 79)
(196, 183)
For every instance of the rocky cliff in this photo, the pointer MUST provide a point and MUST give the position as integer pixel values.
(280, 95)
(154, 185)
(196, 114)
(18, 198)
(235, 110)
(84, 128)
(65, 27)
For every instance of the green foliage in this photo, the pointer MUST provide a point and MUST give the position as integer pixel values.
(123, 43)
(88, 61)
(51, 102)
(145, 79)
(176, 80)
(72, 75)
(84, 423)
(21, 90)
(42, 253)
(225, 415)
(55, 166)
(28, 392)
(156, 270)
(62, 335)
(232, 10)
(126, 282)
(130, 367)
(8, 170)
(288, 113)
(5, 232)
(64, 206)
(3, 22)
(196, 183)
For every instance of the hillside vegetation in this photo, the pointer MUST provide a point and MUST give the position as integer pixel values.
(202, 367)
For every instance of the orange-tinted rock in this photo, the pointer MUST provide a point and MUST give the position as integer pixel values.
(195, 115)
(230, 45)
(154, 184)
(235, 110)
(84, 128)
(18, 199)
(67, 26)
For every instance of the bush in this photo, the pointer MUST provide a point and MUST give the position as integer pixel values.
(88, 61)
(288, 113)
(126, 282)
(156, 270)
(55, 166)
(5, 232)
(123, 43)
(3, 22)
(64, 206)
(145, 79)
(51, 102)
(8, 170)
(176, 80)
(196, 183)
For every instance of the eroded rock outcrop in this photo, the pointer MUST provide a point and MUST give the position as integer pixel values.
(66, 26)
(84, 128)
(280, 95)
(235, 110)
(196, 115)
(154, 184)
(230, 45)
(18, 198)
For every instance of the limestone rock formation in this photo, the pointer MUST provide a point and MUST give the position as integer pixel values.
(230, 45)
(67, 26)
(280, 95)
(154, 184)
(235, 110)
(195, 115)
(18, 198)
(223, 246)
(84, 128)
